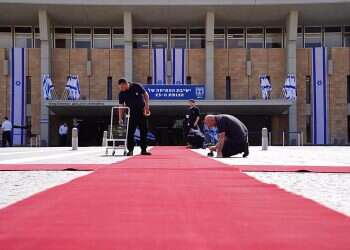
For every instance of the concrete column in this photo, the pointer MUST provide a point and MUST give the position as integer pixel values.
(291, 66)
(128, 46)
(45, 58)
(209, 55)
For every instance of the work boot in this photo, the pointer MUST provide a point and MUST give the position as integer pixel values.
(130, 153)
(144, 152)
(246, 150)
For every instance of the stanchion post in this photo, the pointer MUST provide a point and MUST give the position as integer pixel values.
(74, 139)
(104, 140)
(264, 139)
(270, 138)
(302, 139)
(283, 138)
(298, 138)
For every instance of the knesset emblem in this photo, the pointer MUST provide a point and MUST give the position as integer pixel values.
(319, 83)
(18, 83)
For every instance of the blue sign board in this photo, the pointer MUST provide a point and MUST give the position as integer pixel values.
(175, 92)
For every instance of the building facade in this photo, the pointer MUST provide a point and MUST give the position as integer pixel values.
(228, 45)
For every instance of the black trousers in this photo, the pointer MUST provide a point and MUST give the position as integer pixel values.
(6, 138)
(63, 140)
(137, 119)
(232, 148)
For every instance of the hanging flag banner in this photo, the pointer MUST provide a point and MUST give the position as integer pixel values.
(265, 87)
(290, 88)
(319, 95)
(18, 95)
(175, 92)
(178, 60)
(159, 66)
(73, 87)
(47, 87)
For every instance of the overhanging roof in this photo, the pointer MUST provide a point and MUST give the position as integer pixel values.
(239, 107)
(173, 13)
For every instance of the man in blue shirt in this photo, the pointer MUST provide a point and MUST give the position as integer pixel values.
(233, 135)
(135, 97)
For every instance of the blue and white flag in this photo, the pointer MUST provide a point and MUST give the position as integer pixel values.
(159, 66)
(319, 95)
(290, 88)
(73, 87)
(18, 94)
(47, 87)
(178, 59)
(265, 87)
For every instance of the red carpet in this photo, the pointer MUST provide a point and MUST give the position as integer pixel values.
(175, 199)
(283, 168)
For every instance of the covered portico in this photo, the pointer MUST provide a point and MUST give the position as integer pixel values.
(166, 118)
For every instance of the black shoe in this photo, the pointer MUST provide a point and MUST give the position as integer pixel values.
(246, 150)
(145, 153)
(130, 153)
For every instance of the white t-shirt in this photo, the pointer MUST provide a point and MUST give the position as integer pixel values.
(6, 126)
(63, 130)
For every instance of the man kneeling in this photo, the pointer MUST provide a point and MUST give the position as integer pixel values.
(233, 135)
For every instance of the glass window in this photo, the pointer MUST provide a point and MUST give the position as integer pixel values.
(5, 37)
(118, 38)
(140, 38)
(63, 37)
(348, 88)
(255, 38)
(308, 128)
(274, 38)
(300, 38)
(308, 89)
(102, 38)
(37, 42)
(219, 38)
(197, 38)
(347, 36)
(313, 37)
(333, 37)
(235, 38)
(178, 38)
(159, 38)
(82, 38)
(23, 37)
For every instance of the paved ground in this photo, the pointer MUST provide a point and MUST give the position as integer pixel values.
(301, 156)
(17, 185)
(86, 155)
(331, 190)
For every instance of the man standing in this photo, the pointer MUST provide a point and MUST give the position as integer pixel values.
(135, 97)
(63, 131)
(6, 127)
(191, 118)
(233, 135)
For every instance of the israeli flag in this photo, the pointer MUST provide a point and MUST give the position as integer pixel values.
(178, 60)
(73, 87)
(319, 95)
(159, 66)
(290, 88)
(47, 87)
(265, 87)
(18, 94)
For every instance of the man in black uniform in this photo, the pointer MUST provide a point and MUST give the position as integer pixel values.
(135, 97)
(191, 118)
(233, 135)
